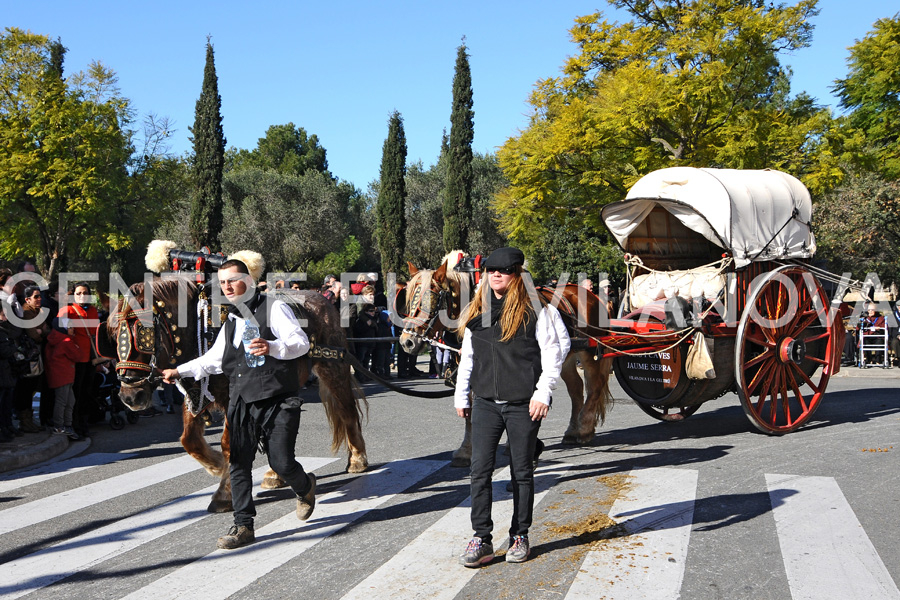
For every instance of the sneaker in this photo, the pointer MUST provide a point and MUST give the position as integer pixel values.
(307, 502)
(519, 549)
(73, 435)
(237, 536)
(60, 431)
(477, 553)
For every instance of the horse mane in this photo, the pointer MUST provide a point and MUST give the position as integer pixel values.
(165, 290)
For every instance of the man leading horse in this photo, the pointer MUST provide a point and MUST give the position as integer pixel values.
(264, 406)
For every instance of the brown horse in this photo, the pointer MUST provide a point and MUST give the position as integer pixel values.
(439, 295)
(170, 340)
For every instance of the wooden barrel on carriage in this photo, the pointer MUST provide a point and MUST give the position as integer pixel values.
(735, 245)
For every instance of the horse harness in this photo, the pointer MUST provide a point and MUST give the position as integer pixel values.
(134, 337)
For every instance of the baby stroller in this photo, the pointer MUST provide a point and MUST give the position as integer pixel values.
(106, 391)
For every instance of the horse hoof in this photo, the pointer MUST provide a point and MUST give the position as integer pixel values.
(460, 462)
(219, 506)
(272, 483)
(355, 466)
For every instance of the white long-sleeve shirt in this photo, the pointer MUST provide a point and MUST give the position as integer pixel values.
(290, 342)
(553, 340)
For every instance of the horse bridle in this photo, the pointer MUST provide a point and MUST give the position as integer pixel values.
(133, 338)
(424, 308)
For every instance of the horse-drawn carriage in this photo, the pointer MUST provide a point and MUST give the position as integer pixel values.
(721, 296)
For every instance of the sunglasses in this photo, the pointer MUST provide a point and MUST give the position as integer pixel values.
(504, 270)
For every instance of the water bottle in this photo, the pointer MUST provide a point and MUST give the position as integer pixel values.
(251, 332)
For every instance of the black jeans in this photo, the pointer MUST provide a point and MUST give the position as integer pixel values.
(489, 421)
(281, 444)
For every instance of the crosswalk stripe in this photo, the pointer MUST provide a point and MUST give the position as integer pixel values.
(826, 552)
(51, 507)
(648, 561)
(428, 566)
(26, 574)
(65, 467)
(224, 572)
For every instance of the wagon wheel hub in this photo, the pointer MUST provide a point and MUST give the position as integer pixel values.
(793, 350)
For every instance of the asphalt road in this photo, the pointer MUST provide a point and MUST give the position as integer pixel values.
(704, 508)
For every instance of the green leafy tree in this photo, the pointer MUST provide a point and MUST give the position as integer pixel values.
(857, 227)
(340, 261)
(290, 220)
(390, 210)
(871, 91)
(458, 193)
(64, 152)
(693, 83)
(209, 141)
(287, 149)
(424, 209)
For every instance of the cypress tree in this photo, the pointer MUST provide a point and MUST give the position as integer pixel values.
(390, 209)
(458, 192)
(208, 160)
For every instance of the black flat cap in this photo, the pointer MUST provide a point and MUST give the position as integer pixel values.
(503, 258)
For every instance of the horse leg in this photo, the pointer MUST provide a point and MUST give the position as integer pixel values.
(463, 455)
(596, 375)
(221, 498)
(575, 387)
(195, 444)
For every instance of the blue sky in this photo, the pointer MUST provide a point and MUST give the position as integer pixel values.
(338, 69)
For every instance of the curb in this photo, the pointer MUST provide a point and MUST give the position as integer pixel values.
(27, 454)
(873, 372)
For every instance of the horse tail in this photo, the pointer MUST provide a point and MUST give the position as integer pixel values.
(605, 401)
(345, 403)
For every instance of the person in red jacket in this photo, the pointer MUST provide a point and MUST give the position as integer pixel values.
(61, 355)
(81, 315)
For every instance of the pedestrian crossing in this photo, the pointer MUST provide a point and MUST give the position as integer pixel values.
(825, 552)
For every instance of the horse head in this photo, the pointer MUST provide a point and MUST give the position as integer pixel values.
(147, 337)
(434, 300)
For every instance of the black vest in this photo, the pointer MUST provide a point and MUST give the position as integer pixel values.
(505, 371)
(274, 378)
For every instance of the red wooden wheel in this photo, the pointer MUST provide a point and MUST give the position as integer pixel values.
(785, 350)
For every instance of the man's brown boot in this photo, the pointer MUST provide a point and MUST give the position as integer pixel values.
(307, 502)
(237, 536)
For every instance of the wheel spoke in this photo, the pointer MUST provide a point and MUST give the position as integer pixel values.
(758, 359)
(806, 378)
(765, 342)
(760, 376)
(764, 391)
(798, 393)
(819, 336)
(804, 320)
(785, 399)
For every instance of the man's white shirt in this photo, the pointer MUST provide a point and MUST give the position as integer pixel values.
(290, 342)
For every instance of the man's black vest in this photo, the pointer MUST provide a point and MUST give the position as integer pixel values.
(505, 371)
(274, 378)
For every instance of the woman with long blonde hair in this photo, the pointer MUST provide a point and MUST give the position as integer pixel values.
(511, 357)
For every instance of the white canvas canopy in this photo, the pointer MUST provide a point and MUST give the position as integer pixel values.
(756, 215)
